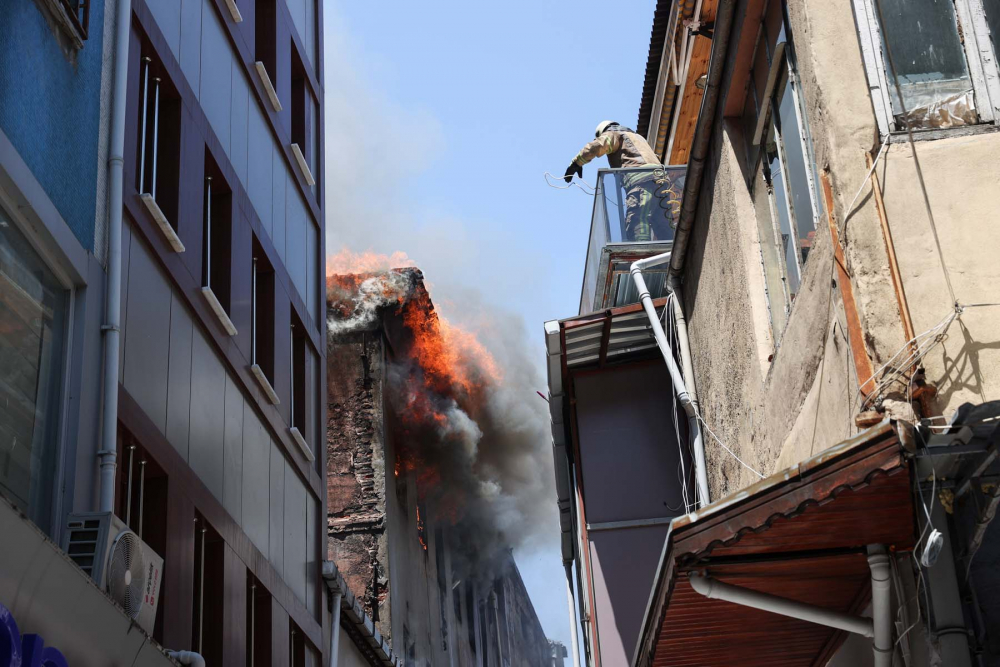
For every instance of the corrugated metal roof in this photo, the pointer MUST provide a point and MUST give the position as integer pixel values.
(608, 335)
(661, 21)
(799, 534)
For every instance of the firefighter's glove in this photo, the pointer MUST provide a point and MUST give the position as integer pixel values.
(573, 168)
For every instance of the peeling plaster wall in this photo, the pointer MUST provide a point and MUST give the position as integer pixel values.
(963, 178)
(774, 413)
(776, 407)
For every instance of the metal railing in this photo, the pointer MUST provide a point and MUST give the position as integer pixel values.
(633, 207)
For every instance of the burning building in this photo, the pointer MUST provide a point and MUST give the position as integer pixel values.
(423, 501)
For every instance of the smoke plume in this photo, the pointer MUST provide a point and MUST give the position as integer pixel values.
(471, 429)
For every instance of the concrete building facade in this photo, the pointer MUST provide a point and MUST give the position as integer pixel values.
(220, 370)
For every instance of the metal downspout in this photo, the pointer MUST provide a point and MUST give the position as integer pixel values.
(112, 323)
(335, 630)
(702, 134)
(717, 590)
(572, 614)
(680, 389)
(878, 562)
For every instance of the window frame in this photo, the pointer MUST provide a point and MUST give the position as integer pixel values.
(780, 56)
(66, 359)
(980, 57)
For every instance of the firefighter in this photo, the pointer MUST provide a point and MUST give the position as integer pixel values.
(625, 148)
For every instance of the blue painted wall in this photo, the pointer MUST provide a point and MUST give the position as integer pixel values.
(50, 108)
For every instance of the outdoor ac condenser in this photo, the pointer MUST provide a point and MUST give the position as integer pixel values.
(118, 561)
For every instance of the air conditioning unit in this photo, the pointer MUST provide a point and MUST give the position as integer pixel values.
(118, 561)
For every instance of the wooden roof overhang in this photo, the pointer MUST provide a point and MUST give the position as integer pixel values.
(800, 534)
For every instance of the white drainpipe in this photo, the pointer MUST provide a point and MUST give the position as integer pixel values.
(716, 590)
(108, 453)
(878, 628)
(878, 563)
(572, 614)
(335, 630)
(680, 389)
(187, 658)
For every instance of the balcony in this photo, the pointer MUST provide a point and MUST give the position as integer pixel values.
(635, 212)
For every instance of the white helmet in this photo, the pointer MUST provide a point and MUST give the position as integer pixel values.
(603, 125)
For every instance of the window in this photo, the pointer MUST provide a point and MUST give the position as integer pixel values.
(159, 140)
(217, 245)
(266, 48)
(33, 309)
(208, 613)
(779, 164)
(305, 115)
(943, 56)
(258, 623)
(301, 652)
(262, 297)
(300, 361)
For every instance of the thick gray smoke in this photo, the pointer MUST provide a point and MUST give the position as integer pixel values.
(472, 429)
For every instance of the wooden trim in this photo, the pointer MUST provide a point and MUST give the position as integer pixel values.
(862, 363)
(890, 251)
(195, 496)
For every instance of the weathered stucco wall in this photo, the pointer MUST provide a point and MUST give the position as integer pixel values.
(963, 183)
(776, 407)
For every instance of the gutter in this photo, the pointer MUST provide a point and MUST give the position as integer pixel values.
(702, 134)
(350, 615)
(108, 453)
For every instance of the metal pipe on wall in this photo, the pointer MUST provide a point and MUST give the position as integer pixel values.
(335, 630)
(208, 232)
(156, 132)
(142, 491)
(878, 562)
(703, 133)
(108, 453)
(716, 590)
(680, 389)
(572, 614)
(128, 487)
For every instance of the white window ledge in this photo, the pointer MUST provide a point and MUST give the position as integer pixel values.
(234, 11)
(303, 166)
(265, 384)
(162, 223)
(303, 445)
(266, 82)
(219, 311)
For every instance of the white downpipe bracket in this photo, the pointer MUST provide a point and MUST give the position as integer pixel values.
(716, 590)
(335, 630)
(108, 452)
(187, 658)
(680, 389)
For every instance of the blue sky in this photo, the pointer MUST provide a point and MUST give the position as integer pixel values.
(441, 119)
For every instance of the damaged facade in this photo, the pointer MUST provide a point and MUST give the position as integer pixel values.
(828, 274)
(400, 559)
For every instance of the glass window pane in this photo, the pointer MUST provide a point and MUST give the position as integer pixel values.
(748, 122)
(786, 235)
(930, 63)
(32, 312)
(796, 176)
